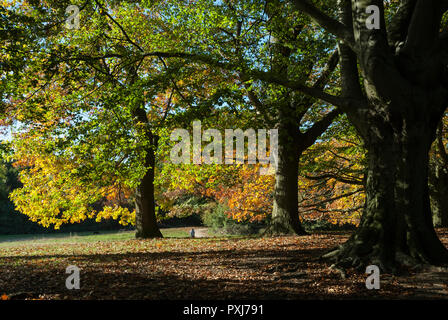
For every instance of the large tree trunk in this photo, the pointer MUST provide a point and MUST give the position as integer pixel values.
(396, 113)
(438, 181)
(438, 190)
(285, 211)
(396, 228)
(145, 214)
(145, 209)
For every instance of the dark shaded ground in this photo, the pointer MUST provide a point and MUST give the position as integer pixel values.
(207, 268)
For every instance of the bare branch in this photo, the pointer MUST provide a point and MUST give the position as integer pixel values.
(349, 180)
(334, 198)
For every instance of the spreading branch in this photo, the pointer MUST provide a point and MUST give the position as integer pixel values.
(398, 28)
(424, 26)
(328, 23)
(319, 127)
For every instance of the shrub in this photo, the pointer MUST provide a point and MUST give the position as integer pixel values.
(218, 220)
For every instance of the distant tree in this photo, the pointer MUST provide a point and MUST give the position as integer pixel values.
(438, 177)
(90, 108)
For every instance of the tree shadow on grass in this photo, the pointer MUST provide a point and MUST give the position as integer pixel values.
(277, 272)
(159, 286)
(219, 274)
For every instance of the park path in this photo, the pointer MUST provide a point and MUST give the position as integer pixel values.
(201, 232)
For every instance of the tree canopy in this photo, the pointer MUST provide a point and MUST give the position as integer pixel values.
(357, 105)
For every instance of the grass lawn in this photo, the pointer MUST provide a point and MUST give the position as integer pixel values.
(117, 266)
(8, 240)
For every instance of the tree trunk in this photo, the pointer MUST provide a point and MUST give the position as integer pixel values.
(438, 190)
(285, 211)
(396, 227)
(145, 214)
(438, 181)
(145, 208)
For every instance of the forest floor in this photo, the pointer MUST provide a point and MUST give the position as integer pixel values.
(201, 268)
